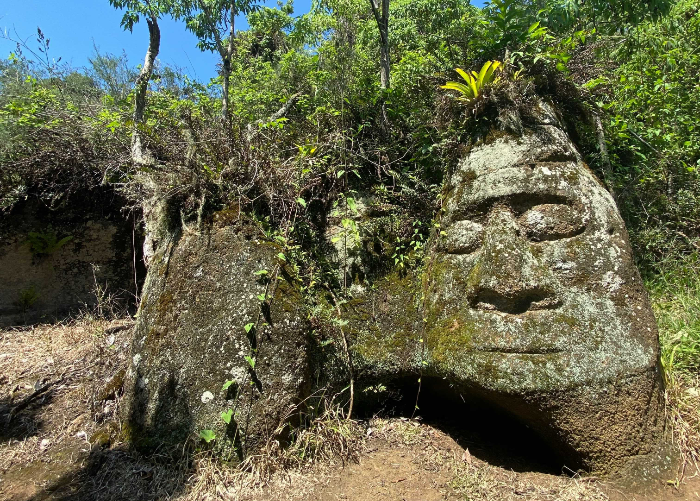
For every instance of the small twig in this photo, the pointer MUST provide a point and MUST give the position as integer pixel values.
(30, 398)
(688, 239)
(423, 341)
(346, 348)
(631, 131)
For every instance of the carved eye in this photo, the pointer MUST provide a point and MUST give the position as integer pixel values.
(552, 222)
(463, 237)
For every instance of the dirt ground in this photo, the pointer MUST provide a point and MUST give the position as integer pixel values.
(59, 398)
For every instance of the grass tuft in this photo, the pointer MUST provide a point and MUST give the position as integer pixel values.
(675, 293)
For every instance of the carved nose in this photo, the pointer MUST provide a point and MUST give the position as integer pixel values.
(509, 278)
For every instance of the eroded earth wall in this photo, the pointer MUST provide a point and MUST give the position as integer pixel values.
(57, 262)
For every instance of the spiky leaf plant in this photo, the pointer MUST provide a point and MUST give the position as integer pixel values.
(475, 82)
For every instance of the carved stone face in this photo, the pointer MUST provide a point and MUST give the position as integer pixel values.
(533, 286)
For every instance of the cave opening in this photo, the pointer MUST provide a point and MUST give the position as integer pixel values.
(491, 432)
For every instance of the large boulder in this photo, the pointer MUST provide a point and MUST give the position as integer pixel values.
(529, 301)
(191, 338)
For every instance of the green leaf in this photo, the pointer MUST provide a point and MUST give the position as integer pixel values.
(495, 66)
(251, 361)
(261, 272)
(466, 76)
(339, 174)
(301, 202)
(351, 204)
(459, 87)
(226, 416)
(281, 256)
(262, 297)
(249, 327)
(207, 435)
(228, 384)
(482, 73)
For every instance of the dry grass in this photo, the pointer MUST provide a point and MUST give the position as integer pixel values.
(683, 398)
(329, 441)
(482, 482)
(68, 363)
(408, 442)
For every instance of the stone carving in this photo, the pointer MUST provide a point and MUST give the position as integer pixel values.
(534, 282)
(531, 302)
(535, 303)
(528, 299)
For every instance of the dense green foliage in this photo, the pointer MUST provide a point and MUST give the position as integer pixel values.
(310, 126)
(653, 103)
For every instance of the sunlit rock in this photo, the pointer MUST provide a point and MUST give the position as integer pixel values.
(534, 302)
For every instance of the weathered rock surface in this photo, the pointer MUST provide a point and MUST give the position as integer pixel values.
(534, 299)
(75, 249)
(190, 339)
(528, 301)
(532, 303)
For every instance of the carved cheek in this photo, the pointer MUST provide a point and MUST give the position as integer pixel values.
(463, 237)
(575, 261)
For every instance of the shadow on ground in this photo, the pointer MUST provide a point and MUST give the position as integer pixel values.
(489, 433)
(99, 467)
(18, 421)
(120, 474)
(501, 442)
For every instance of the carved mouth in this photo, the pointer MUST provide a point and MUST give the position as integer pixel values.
(523, 351)
(515, 303)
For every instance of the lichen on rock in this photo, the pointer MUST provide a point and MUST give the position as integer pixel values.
(191, 338)
(535, 302)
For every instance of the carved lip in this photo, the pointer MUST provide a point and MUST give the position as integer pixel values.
(522, 351)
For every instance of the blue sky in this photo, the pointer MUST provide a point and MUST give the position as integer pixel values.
(73, 26)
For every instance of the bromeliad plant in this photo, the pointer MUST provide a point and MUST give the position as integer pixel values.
(475, 82)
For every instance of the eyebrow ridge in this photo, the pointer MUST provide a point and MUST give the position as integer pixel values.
(520, 202)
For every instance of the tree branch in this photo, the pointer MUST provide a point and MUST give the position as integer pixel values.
(284, 109)
(379, 19)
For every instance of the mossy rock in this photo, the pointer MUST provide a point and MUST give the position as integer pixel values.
(190, 339)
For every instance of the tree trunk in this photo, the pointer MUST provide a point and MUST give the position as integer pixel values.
(139, 155)
(382, 19)
(226, 75)
(384, 50)
(384, 63)
(604, 155)
(226, 59)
